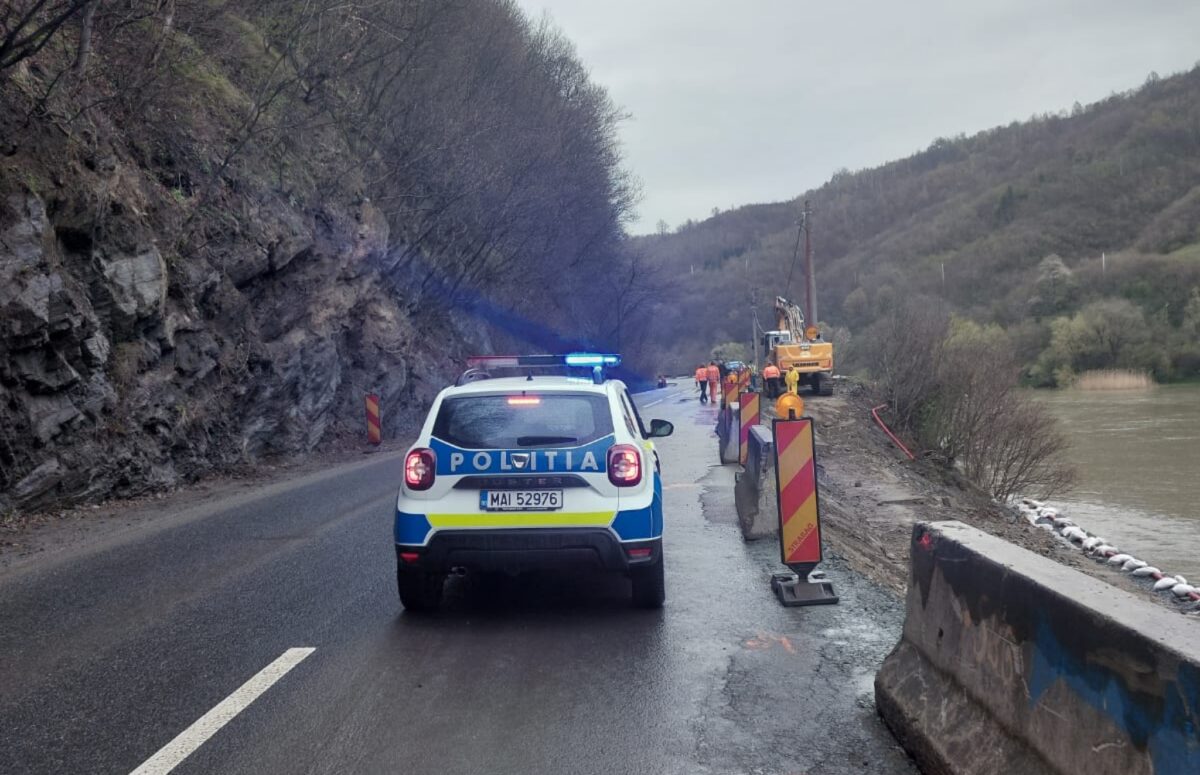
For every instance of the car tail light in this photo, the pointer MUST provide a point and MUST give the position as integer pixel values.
(624, 465)
(409, 557)
(420, 469)
(640, 554)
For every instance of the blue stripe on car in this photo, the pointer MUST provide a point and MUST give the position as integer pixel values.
(644, 523)
(411, 529)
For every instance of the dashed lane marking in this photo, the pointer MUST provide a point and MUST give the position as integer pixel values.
(187, 741)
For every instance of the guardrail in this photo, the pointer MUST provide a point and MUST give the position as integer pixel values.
(1011, 662)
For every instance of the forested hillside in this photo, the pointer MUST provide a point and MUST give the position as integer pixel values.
(1015, 219)
(222, 223)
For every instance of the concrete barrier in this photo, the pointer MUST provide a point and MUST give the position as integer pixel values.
(754, 492)
(729, 429)
(1013, 663)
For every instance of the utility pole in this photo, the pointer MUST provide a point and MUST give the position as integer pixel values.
(810, 279)
(754, 324)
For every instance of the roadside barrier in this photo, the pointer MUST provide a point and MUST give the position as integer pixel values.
(728, 433)
(754, 492)
(749, 416)
(1012, 662)
(798, 508)
(374, 426)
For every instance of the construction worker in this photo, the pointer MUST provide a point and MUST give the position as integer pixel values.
(771, 380)
(714, 382)
(702, 382)
(793, 380)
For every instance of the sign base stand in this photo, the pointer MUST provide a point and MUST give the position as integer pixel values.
(794, 591)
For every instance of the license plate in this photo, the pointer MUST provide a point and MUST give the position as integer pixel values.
(520, 500)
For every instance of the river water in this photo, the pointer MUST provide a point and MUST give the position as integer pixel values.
(1138, 455)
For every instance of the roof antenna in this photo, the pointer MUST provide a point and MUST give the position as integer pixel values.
(529, 376)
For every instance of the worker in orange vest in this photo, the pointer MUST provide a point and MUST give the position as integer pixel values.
(771, 380)
(702, 383)
(714, 382)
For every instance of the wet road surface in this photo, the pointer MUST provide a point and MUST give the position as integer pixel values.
(109, 652)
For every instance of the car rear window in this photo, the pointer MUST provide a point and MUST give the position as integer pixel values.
(523, 421)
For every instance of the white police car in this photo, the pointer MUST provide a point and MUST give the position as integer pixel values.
(513, 473)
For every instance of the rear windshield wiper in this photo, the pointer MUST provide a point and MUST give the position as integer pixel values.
(533, 441)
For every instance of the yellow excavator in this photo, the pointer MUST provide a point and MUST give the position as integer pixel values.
(793, 343)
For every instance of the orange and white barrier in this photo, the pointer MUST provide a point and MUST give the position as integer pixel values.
(751, 415)
(374, 426)
(799, 514)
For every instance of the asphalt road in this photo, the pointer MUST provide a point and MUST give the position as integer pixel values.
(110, 651)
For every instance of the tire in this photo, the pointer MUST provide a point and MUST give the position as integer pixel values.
(420, 591)
(822, 385)
(649, 585)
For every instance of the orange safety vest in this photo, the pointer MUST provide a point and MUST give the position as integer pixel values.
(714, 374)
(771, 371)
(701, 374)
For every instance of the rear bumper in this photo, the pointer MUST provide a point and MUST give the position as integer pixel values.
(526, 549)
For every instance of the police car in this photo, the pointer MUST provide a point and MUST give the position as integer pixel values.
(518, 472)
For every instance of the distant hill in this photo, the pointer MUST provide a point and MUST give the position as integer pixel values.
(1018, 216)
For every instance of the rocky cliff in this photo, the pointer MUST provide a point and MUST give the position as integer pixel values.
(125, 366)
(222, 224)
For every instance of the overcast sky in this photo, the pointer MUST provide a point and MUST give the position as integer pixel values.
(742, 101)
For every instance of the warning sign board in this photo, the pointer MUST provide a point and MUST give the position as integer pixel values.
(796, 480)
(374, 427)
(750, 416)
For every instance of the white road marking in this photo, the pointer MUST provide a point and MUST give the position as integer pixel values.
(664, 398)
(187, 741)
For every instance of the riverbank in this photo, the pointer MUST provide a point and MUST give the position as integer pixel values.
(871, 495)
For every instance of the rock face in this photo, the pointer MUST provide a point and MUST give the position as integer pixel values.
(126, 367)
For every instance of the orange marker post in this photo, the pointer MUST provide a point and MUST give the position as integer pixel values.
(731, 390)
(374, 427)
(799, 514)
(750, 416)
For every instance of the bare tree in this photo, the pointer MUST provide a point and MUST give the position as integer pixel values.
(26, 27)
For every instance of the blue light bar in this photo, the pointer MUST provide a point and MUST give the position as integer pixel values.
(592, 359)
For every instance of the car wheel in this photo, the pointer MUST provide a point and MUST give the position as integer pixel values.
(420, 591)
(649, 585)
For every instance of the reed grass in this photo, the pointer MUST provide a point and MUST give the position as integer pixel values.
(1114, 379)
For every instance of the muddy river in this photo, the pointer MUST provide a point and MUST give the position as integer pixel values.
(1138, 454)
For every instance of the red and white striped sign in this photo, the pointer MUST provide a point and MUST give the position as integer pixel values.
(374, 427)
(796, 478)
(750, 416)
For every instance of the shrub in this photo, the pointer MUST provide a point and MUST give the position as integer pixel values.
(730, 351)
(954, 385)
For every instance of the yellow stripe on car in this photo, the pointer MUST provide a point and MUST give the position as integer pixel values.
(523, 519)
